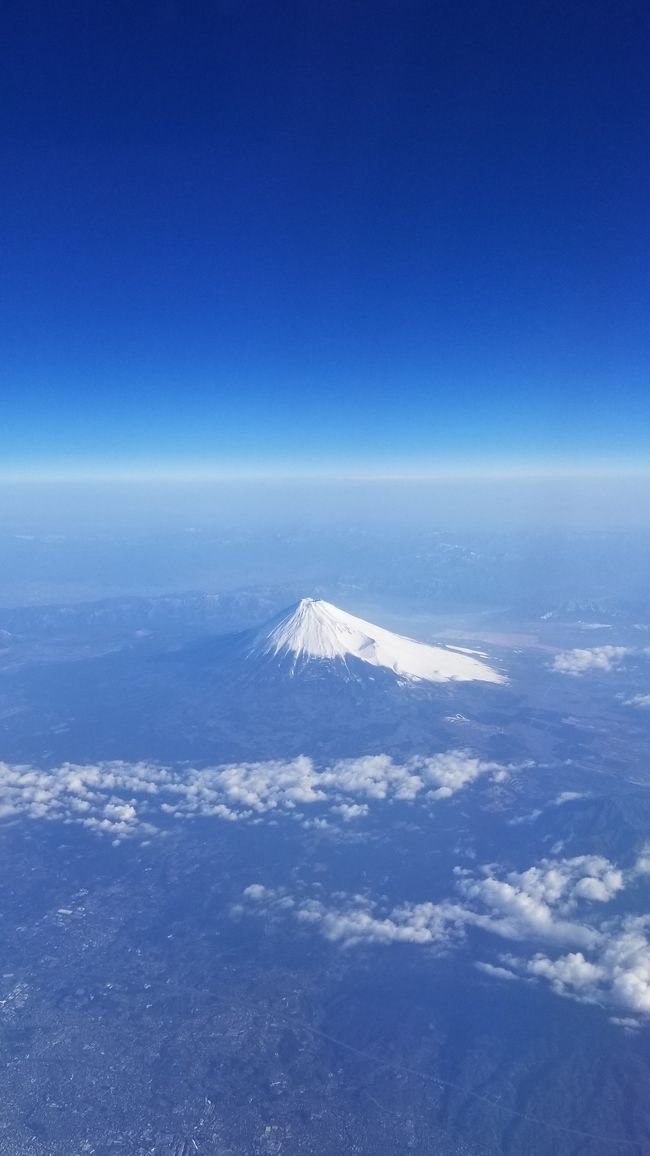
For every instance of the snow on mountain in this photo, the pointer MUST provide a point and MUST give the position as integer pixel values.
(315, 629)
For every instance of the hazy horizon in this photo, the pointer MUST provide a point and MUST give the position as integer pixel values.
(579, 502)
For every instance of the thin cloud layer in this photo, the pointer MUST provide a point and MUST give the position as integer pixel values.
(128, 799)
(555, 906)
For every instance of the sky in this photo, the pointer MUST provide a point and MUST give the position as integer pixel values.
(338, 237)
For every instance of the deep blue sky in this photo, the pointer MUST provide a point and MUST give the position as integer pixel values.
(384, 235)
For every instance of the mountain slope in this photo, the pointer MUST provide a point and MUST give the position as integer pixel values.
(317, 630)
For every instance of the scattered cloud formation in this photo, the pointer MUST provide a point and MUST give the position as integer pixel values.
(616, 973)
(109, 798)
(539, 903)
(354, 919)
(127, 799)
(556, 910)
(594, 658)
(554, 906)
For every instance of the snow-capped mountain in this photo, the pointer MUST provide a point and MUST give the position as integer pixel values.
(316, 630)
(314, 680)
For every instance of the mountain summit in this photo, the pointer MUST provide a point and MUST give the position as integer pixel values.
(317, 630)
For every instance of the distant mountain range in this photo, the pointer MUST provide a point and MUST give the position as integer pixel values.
(313, 679)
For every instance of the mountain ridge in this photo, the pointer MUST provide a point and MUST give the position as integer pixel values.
(316, 630)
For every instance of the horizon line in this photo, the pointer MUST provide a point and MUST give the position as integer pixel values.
(135, 473)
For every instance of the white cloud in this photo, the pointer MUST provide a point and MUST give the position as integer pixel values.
(582, 661)
(640, 700)
(101, 798)
(535, 904)
(618, 972)
(493, 970)
(642, 865)
(569, 797)
(126, 799)
(350, 811)
(355, 919)
(627, 1022)
(257, 891)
